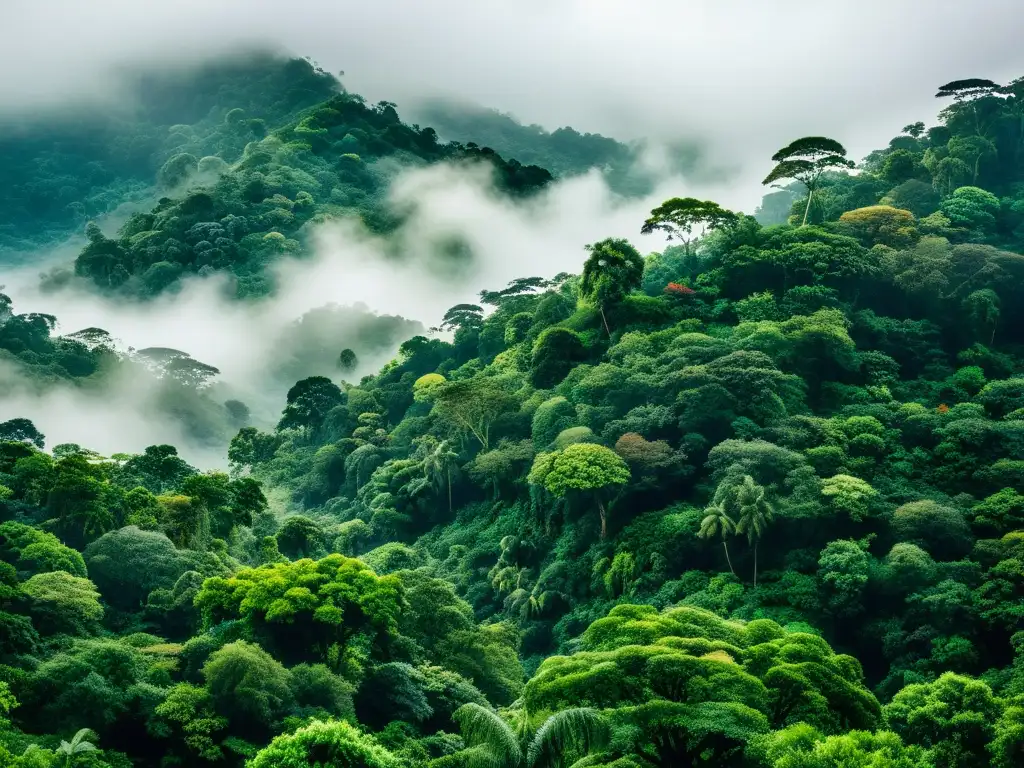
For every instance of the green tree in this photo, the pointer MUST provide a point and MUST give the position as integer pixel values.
(583, 468)
(178, 170)
(438, 461)
(881, 225)
(555, 352)
(940, 530)
(843, 570)
(802, 746)
(158, 469)
(901, 166)
(129, 563)
(953, 716)
(81, 500)
(983, 312)
(1007, 745)
(22, 430)
(678, 216)
(753, 513)
(971, 150)
(61, 602)
(33, 551)
(971, 208)
(613, 269)
(300, 536)
(806, 160)
(323, 611)
(552, 417)
(472, 405)
(718, 524)
(248, 686)
(308, 402)
(849, 495)
(334, 743)
(189, 710)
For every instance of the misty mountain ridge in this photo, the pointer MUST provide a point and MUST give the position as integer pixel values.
(241, 138)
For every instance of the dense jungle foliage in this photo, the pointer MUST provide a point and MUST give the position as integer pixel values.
(753, 500)
(59, 171)
(240, 214)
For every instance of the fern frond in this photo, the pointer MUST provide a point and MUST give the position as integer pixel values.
(580, 730)
(485, 729)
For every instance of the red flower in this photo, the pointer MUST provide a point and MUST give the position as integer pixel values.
(678, 289)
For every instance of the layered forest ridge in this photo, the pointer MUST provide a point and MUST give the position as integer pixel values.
(756, 499)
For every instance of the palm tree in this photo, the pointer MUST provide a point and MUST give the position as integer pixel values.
(77, 745)
(754, 512)
(494, 744)
(718, 523)
(438, 461)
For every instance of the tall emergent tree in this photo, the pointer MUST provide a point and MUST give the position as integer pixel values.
(308, 402)
(583, 468)
(754, 512)
(718, 524)
(806, 160)
(613, 269)
(22, 431)
(438, 461)
(678, 216)
(347, 360)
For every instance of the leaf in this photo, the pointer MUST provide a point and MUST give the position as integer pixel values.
(581, 729)
(483, 728)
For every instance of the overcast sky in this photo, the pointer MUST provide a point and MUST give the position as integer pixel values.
(748, 74)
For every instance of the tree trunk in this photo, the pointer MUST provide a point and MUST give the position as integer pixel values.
(807, 208)
(604, 518)
(449, 490)
(727, 558)
(605, 321)
(755, 565)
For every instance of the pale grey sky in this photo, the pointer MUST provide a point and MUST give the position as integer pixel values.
(748, 74)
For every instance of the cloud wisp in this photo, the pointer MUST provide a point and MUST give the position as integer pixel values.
(370, 282)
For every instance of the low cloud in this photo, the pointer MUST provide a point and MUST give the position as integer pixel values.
(377, 292)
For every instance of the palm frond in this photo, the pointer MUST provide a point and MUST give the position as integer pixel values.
(483, 728)
(580, 730)
(483, 756)
(78, 743)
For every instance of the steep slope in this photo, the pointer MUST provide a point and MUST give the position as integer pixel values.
(240, 218)
(61, 169)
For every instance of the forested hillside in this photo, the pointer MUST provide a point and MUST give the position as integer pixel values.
(564, 152)
(60, 170)
(756, 499)
(337, 160)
